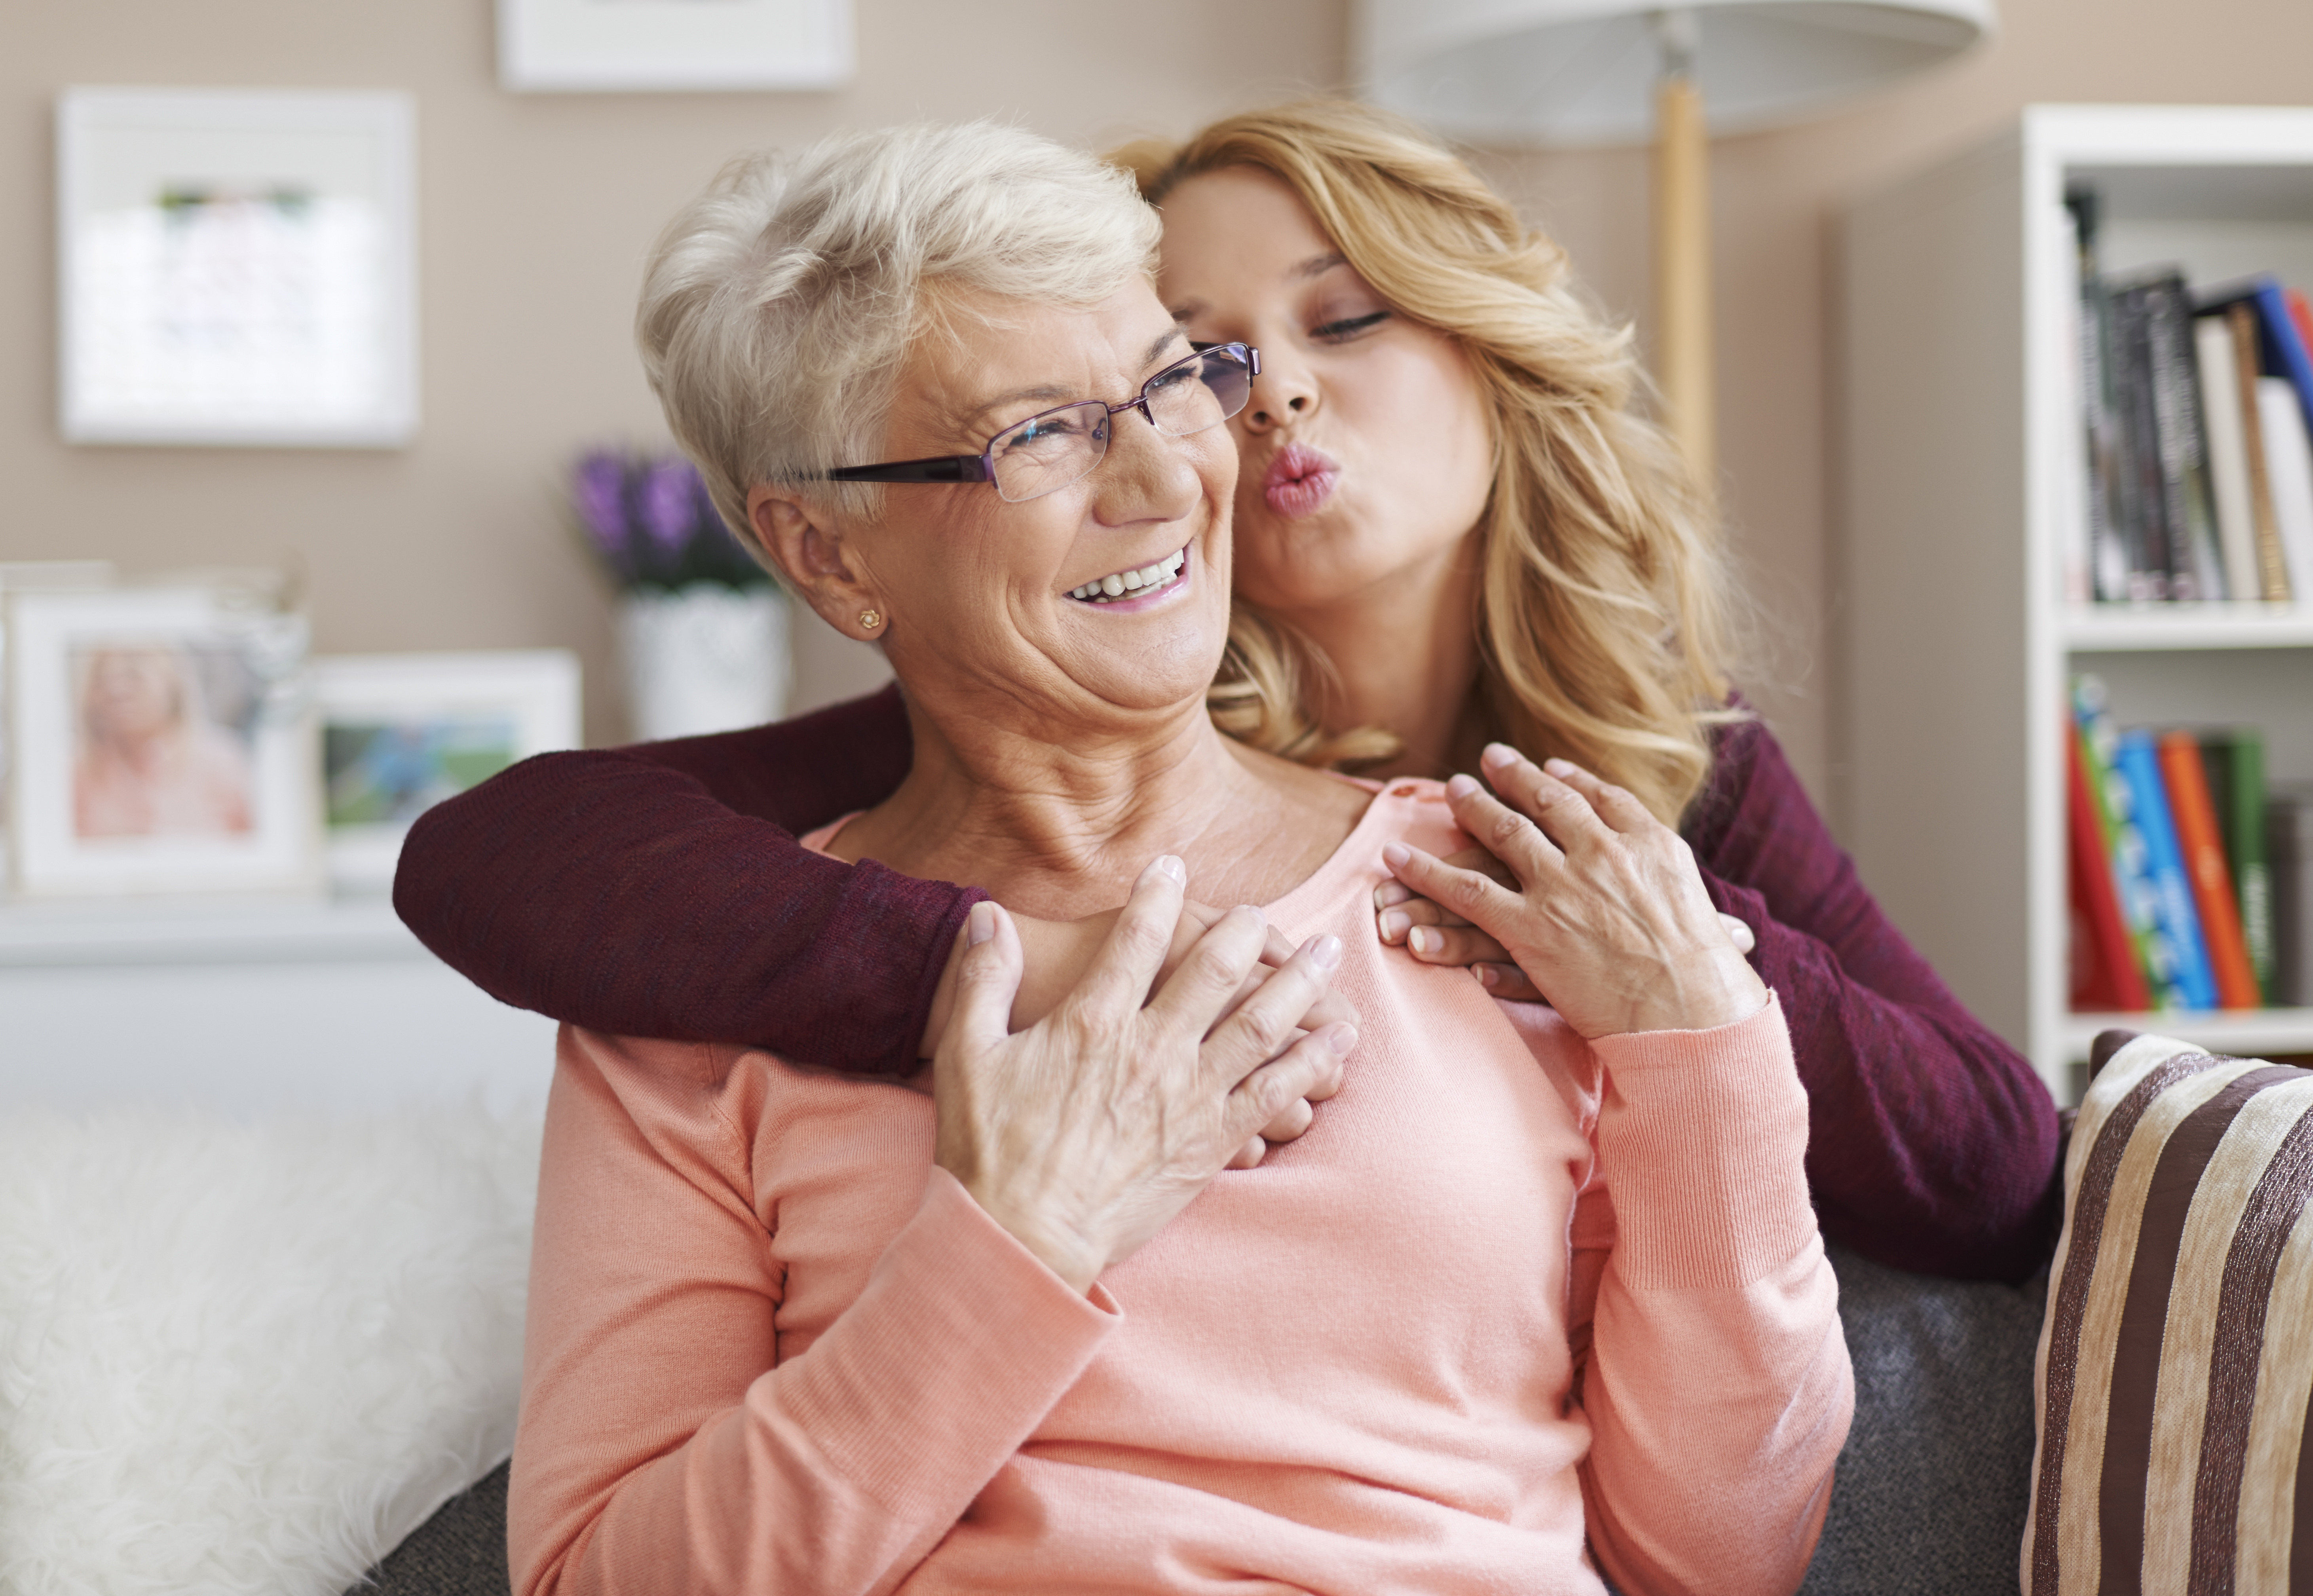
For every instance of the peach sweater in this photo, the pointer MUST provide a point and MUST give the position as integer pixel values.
(771, 1348)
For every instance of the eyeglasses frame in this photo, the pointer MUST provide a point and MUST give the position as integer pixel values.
(981, 467)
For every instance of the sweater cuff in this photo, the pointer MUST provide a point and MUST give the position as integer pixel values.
(1703, 1135)
(959, 1346)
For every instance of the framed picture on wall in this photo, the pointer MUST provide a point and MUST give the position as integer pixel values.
(236, 268)
(159, 740)
(586, 45)
(401, 732)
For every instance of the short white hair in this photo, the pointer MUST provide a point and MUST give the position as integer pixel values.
(778, 307)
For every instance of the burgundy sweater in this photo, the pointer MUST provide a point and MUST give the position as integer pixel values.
(659, 891)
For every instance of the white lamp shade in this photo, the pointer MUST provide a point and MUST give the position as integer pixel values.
(1574, 72)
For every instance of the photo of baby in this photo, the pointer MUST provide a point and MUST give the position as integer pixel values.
(162, 742)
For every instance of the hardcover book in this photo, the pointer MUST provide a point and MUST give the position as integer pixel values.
(2234, 763)
(2175, 912)
(2202, 851)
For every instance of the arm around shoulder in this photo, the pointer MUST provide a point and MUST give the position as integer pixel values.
(660, 891)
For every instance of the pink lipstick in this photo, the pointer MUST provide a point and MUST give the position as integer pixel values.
(1299, 480)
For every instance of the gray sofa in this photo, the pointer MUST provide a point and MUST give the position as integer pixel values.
(1929, 1501)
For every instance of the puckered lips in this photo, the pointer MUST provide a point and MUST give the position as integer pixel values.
(1300, 479)
(1138, 588)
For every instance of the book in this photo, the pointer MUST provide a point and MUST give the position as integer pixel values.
(2267, 344)
(2095, 562)
(2090, 531)
(2221, 408)
(2272, 575)
(2175, 914)
(2143, 518)
(2201, 848)
(2123, 843)
(2289, 475)
(2106, 974)
(2234, 763)
(2194, 568)
(2289, 844)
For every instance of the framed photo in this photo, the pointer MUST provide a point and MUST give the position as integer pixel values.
(159, 741)
(401, 732)
(66, 575)
(236, 268)
(579, 45)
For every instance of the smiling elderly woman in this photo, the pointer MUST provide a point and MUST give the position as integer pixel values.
(1017, 1325)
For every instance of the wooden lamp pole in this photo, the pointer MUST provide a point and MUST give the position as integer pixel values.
(1682, 229)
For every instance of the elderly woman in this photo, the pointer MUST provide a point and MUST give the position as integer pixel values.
(1454, 524)
(1014, 1326)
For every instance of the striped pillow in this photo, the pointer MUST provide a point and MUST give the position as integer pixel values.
(2177, 1356)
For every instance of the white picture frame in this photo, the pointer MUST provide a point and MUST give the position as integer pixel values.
(585, 46)
(236, 268)
(159, 741)
(400, 732)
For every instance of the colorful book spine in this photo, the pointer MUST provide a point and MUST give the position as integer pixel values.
(2202, 849)
(2106, 974)
(2234, 760)
(2179, 922)
(2123, 843)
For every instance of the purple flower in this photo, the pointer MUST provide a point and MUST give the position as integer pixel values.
(670, 504)
(598, 491)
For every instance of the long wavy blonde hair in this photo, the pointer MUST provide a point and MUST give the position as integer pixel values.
(1606, 611)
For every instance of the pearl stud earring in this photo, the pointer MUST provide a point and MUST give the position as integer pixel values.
(871, 618)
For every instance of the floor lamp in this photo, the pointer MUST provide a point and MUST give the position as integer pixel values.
(1603, 72)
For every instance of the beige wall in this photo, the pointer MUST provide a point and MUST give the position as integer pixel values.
(535, 211)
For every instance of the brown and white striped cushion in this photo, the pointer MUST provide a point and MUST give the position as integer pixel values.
(2176, 1356)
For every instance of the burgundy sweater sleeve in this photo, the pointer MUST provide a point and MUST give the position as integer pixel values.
(1932, 1145)
(659, 891)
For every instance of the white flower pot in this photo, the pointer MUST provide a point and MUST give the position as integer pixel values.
(704, 659)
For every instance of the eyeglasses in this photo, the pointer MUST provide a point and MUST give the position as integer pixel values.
(1050, 450)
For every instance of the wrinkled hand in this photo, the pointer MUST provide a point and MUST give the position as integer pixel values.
(1059, 952)
(1436, 935)
(1605, 911)
(1083, 1134)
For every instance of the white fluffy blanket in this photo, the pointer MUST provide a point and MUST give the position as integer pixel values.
(251, 1358)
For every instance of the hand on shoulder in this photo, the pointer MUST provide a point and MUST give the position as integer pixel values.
(1597, 903)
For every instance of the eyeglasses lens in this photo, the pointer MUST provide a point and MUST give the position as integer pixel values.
(1203, 391)
(1047, 452)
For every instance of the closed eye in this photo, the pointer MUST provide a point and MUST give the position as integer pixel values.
(1349, 327)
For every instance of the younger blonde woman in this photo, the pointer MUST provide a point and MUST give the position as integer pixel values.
(1454, 527)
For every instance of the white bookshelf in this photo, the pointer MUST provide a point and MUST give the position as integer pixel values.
(1961, 479)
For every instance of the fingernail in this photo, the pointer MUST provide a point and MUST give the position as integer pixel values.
(1557, 767)
(980, 924)
(1462, 786)
(1171, 868)
(1498, 753)
(1396, 855)
(1423, 939)
(1342, 1038)
(1326, 952)
(1394, 922)
(1485, 974)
